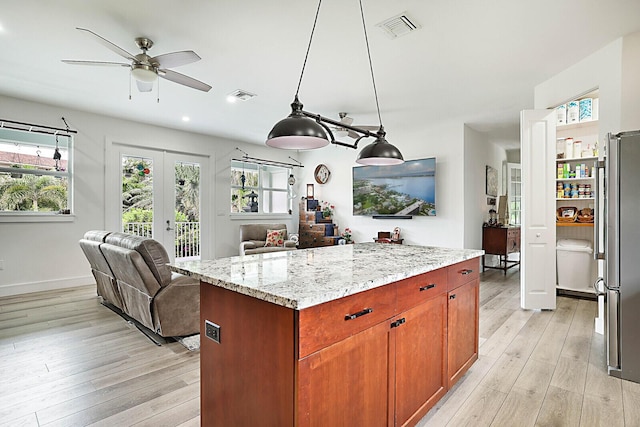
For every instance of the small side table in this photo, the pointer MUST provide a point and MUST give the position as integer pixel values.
(501, 241)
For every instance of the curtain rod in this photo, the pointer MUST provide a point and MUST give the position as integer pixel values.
(29, 127)
(246, 158)
(257, 161)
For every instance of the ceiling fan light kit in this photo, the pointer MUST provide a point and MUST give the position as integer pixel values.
(303, 130)
(144, 73)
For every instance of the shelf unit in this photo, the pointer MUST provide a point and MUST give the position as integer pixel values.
(587, 133)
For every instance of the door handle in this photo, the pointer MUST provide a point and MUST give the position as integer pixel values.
(466, 271)
(452, 296)
(169, 226)
(427, 287)
(398, 322)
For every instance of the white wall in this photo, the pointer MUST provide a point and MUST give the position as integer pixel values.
(630, 108)
(601, 70)
(445, 142)
(479, 153)
(40, 256)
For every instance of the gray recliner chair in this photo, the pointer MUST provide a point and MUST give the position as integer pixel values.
(253, 238)
(106, 284)
(165, 302)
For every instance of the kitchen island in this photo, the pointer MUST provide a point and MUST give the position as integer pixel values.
(366, 334)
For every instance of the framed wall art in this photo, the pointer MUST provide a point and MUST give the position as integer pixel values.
(492, 182)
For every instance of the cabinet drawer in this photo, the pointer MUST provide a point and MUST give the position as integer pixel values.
(308, 216)
(325, 324)
(462, 272)
(415, 290)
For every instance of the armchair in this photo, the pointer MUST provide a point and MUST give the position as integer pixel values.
(253, 238)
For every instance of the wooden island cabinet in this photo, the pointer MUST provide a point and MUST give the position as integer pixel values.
(380, 357)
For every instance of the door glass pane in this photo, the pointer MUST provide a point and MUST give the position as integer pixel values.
(187, 210)
(137, 196)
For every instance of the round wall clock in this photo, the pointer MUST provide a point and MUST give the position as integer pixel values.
(321, 174)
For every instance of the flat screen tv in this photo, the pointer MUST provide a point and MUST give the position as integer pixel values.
(394, 191)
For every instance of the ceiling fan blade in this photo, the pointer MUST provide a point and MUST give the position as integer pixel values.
(354, 135)
(144, 86)
(175, 59)
(369, 127)
(184, 80)
(117, 49)
(103, 63)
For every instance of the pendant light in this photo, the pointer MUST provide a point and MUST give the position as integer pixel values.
(298, 132)
(303, 130)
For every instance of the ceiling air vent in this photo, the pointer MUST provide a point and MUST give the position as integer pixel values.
(241, 95)
(398, 26)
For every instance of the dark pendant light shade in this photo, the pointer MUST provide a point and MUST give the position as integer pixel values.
(297, 132)
(303, 130)
(380, 152)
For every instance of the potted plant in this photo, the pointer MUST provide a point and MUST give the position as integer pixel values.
(346, 235)
(327, 210)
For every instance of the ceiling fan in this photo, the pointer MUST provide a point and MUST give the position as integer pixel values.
(146, 69)
(340, 132)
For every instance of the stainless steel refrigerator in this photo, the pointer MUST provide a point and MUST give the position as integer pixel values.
(620, 238)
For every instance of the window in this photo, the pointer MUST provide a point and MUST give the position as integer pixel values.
(264, 190)
(35, 173)
(515, 196)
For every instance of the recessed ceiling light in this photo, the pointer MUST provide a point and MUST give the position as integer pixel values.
(185, 118)
(241, 95)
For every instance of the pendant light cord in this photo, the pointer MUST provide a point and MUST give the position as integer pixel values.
(309, 46)
(373, 79)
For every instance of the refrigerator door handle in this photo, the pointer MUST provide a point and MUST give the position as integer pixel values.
(597, 252)
(600, 290)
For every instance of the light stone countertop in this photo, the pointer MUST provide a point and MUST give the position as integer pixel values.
(307, 277)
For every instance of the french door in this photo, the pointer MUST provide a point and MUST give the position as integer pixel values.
(160, 194)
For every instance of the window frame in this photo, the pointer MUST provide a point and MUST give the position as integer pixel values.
(261, 188)
(42, 216)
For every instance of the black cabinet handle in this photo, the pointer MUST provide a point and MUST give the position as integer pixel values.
(466, 271)
(453, 296)
(358, 314)
(398, 322)
(427, 287)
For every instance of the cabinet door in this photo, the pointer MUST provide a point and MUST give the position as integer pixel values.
(346, 384)
(462, 336)
(421, 374)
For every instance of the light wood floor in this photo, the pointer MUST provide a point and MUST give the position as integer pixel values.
(65, 360)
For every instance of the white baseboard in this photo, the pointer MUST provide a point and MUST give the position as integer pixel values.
(47, 285)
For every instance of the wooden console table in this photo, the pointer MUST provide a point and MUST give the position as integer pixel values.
(501, 241)
(396, 241)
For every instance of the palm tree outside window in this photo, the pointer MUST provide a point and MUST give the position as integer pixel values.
(35, 173)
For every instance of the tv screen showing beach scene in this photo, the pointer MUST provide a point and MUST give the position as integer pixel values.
(408, 189)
